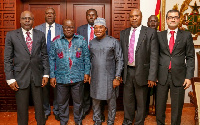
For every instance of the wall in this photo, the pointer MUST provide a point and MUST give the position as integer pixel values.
(148, 8)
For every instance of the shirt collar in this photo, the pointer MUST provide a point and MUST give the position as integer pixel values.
(168, 30)
(24, 31)
(90, 25)
(47, 25)
(137, 29)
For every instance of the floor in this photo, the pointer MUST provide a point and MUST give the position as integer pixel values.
(10, 118)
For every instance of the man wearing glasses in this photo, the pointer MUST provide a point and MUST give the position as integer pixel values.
(176, 68)
(70, 53)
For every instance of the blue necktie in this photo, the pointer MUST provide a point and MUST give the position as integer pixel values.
(49, 39)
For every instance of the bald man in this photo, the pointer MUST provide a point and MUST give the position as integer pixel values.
(70, 53)
(26, 67)
(153, 22)
(140, 50)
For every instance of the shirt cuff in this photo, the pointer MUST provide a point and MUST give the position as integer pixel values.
(10, 81)
(46, 76)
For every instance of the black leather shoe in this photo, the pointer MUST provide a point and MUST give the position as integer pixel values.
(57, 117)
(46, 117)
(127, 122)
(78, 123)
(97, 123)
(102, 118)
(84, 114)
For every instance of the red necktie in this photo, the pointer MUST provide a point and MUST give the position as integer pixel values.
(171, 45)
(29, 41)
(91, 33)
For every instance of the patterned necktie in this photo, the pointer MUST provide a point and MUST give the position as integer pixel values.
(171, 45)
(131, 48)
(91, 33)
(29, 41)
(49, 39)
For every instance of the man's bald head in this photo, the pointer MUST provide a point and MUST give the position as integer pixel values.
(68, 28)
(27, 20)
(135, 17)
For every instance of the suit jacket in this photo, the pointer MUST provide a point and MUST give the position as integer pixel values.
(58, 28)
(83, 31)
(19, 64)
(182, 58)
(146, 55)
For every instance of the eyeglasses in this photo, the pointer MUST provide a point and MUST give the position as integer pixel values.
(68, 27)
(27, 18)
(171, 17)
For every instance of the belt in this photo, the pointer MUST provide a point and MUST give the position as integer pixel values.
(130, 66)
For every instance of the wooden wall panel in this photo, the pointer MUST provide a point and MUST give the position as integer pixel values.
(7, 23)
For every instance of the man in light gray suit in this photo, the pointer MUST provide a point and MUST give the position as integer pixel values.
(26, 67)
(106, 66)
(51, 30)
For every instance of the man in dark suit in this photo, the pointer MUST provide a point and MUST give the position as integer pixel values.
(51, 30)
(176, 68)
(140, 50)
(26, 67)
(87, 31)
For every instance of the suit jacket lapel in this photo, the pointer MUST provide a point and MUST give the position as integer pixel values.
(44, 28)
(178, 39)
(126, 37)
(126, 42)
(35, 39)
(85, 30)
(165, 40)
(141, 38)
(57, 29)
(22, 39)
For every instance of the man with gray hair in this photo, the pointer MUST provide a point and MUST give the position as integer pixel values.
(106, 67)
(51, 30)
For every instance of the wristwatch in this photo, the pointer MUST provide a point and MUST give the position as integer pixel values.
(117, 78)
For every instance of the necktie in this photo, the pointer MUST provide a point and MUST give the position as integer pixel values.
(171, 45)
(29, 41)
(91, 33)
(131, 48)
(49, 39)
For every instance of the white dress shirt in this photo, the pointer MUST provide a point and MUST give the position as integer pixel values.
(53, 28)
(169, 34)
(137, 34)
